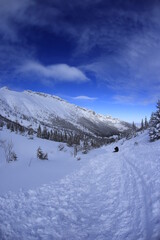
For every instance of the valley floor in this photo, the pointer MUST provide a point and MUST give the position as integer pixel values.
(106, 196)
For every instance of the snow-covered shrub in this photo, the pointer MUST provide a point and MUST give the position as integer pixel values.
(85, 151)
(30, 137)
(9, 152)
(60, 147)
(154, 124)
(86, 147)
(41, 155)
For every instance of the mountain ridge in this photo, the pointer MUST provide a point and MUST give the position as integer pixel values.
(34, 108)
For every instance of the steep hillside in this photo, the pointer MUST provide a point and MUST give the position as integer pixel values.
(33, 108)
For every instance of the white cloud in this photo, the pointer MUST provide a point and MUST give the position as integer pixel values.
(121, 99)
(57, 72)
(135, 99)
(10, 12)
(134, 69)
(85, 98)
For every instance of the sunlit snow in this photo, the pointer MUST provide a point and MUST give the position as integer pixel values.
(103, 196)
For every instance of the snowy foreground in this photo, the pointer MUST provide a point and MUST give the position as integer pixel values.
(103, 196)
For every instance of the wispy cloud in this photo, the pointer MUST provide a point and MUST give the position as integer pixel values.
(11, 13)
(58, 72)
(119, 42)
(135, 100)
(85, 98)
(121, 99)
(135, 68)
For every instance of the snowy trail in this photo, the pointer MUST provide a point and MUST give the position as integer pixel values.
(113, 196)
(145, 188)
(141, 201)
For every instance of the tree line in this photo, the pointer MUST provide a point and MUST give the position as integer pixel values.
(71, 138)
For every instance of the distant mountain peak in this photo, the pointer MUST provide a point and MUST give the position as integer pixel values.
(4, 88)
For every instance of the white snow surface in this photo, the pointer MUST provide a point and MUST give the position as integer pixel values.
(104, 196)
(41, 107)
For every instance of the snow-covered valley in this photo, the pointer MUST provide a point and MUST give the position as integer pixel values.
(103, 196)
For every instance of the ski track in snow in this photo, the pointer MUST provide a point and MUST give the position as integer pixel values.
(112, 197)
(144, 186)
(141, 196)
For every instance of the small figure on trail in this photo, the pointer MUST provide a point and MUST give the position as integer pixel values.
(116, 149)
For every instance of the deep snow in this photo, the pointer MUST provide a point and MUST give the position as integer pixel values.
(28, 172)
(106, 195)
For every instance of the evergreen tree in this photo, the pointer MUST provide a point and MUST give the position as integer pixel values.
(1, 124)
(8, 125)
(154, 124)
(65, 137)
(146, 124)
(51, 135)
(45, 133)
(21, 129)
(142, 125)
(85, 147)
(16, 126)
(39, 132)
(134, 127)
(30, 131)
(75, 150)
(12, 128)
(48, 135)
(41, 155)
(70, 141)
(55, 136)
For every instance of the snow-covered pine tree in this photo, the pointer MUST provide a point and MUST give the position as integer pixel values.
(30, 131)
(8, 125)
(134, 127)
(85, 147)
(16, 126)
(142, 125)
(12, 128)
(41, 155)
(44, 133)
(75, 150)
(154, 124)
(1, 124)
(51, 137)
(39, 132)
(146, 124)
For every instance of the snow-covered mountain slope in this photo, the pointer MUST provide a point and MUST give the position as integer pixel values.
(109, 196)
(33, 108)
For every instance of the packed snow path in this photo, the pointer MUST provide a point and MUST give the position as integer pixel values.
(113, 196)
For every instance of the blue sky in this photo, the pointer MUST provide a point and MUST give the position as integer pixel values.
(103, 55)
